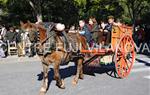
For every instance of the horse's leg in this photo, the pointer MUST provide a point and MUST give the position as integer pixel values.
(80, 63)
(79, 73)
(45, 78)
(59, 82)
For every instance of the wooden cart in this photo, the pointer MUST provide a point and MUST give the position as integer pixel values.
(122, 49)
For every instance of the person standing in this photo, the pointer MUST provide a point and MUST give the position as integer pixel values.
(3, 31)
(2, 48)
(19, 43)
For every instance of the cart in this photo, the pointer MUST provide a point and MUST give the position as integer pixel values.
(122, 49)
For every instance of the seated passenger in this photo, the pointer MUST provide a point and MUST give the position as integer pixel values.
(102, 25)
(85, 31)
(107, 30)
(93, 25)
(72, 29)
(11, 35)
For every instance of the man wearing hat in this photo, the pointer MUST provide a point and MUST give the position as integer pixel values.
(61, 28)
(108, 29)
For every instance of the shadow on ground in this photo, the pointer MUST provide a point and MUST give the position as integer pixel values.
(88, 70)
(142, 61)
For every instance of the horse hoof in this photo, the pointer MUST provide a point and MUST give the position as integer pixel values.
(42, 93)
(62, 86)
(74, 82)
(81, 77)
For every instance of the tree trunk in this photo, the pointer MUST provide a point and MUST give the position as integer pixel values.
(39, 17)
(37, 10)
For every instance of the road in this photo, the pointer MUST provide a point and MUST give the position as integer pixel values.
(21, 76)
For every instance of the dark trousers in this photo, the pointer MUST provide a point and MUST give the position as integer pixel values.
(33, 50)
(107, 35)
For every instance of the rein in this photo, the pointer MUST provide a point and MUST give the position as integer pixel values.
(47, 39)
(48, 36)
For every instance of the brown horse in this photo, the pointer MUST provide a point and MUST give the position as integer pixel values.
(56, 57)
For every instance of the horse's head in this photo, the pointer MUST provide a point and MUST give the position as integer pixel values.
(27, 26)
(32, 30)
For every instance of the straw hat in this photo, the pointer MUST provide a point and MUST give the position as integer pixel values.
(60, 27)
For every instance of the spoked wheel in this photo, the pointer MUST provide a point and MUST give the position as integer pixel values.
(113, 73)
(124, 56)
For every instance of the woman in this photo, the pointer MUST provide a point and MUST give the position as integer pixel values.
(93, 26)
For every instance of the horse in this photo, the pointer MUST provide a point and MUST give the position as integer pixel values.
(55, 57)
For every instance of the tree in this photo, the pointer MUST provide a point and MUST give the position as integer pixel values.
(70, 11)
(99, 8)
(2, 5)
(134, 8)
(37, 8)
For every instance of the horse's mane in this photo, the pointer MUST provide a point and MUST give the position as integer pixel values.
(42, 30)
(38, 26)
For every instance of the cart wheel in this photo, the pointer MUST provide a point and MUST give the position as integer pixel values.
(124, 56)
(113, 74)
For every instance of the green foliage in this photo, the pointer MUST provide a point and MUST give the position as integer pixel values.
(134, 8)
(70, 11)
(80, 2)
(3, 1)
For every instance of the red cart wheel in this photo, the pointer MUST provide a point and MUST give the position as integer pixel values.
(124, 56)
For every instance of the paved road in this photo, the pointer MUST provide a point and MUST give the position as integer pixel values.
(21, 76)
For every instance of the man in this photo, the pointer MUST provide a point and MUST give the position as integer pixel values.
(60, 28)
(108, 29)
(85, 31)
(19, 43)
(11, 35)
